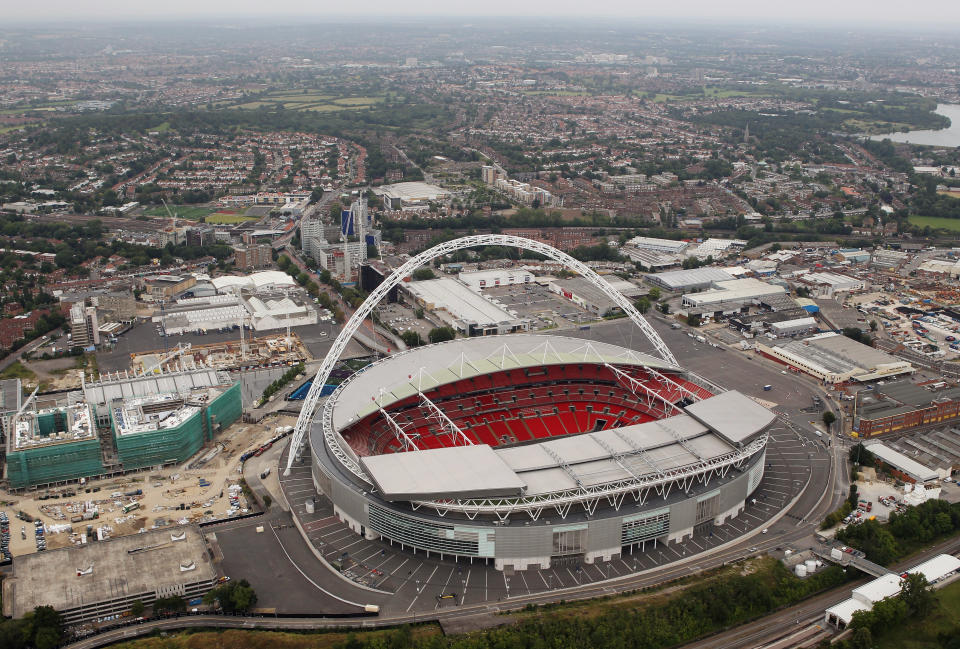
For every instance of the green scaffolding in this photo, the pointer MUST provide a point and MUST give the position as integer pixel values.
(177, 444)
(54, 463)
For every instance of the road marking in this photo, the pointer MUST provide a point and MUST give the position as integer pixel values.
(414, 600)
(445, 589)
(574, 577)
(315, 584)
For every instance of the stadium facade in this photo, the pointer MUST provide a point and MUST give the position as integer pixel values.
(527, 450)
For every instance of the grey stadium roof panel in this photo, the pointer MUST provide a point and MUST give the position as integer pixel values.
(458, 471)
(721, 423)
(732, 415)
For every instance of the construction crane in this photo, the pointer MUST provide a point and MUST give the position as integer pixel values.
(181, 348)
(172, 216)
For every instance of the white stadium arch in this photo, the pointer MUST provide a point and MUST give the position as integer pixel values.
(350, 328)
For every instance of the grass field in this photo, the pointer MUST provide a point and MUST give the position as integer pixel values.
(953, 225)
(921, 634)
(227, 218)
(952, 193)
(189, 212)
(17, 371)
(310, 101)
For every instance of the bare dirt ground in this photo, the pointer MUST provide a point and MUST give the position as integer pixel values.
(164, 492)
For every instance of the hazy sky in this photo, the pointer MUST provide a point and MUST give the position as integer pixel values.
(851, 13)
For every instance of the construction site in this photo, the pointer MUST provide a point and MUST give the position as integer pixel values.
(76, 463)
(276, 350)
(118, 424)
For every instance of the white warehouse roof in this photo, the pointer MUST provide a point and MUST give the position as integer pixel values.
(254, 281)
(676, 280)
(732, 291)
(844, 610)
(880, 588)
(938, 567)
(458, 300)
(901, 462)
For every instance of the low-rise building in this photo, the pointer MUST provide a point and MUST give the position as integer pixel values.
(258, 255)
(825, 284)
(480, 279)
(98, 580)
(901, 406)
(731, 295)
(465, 310)
(165, 287)
(836, 359)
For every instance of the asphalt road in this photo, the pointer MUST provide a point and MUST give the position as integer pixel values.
(29, 347)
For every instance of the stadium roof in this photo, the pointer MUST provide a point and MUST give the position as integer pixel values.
(646, 450)
(732, 415)
(400, 375)
(457, 471)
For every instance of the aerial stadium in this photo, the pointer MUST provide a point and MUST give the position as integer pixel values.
(527, 450)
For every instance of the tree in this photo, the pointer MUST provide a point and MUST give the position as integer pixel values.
(423, 273)
(283, 262)
(441, 334)
(171, 604)
(642, 305)
(828, 419)
(137, 608)
(654, 294)
(232, 597)
(411, 339)
(873, 325)
(664, 308)
(693, 319)
(917, 595)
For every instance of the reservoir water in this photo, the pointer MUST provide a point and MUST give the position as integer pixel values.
(943, 137)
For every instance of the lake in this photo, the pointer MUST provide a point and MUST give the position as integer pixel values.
(943, 137)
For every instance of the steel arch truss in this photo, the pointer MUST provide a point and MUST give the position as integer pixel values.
(589, 497)
(361, 314)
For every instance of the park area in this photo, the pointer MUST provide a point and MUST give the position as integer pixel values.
(935, 222)
(307, 100)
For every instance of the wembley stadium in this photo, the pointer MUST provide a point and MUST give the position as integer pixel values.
(524, 449)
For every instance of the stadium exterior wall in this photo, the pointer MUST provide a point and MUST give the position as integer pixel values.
(525, 544)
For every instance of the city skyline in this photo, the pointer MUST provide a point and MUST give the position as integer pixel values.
(851, 15)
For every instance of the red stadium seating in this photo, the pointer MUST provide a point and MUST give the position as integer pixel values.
(501, 408)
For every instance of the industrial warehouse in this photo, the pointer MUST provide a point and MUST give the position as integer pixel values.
(118, 423)
(836, 359)
(467, 311)
(261, 301)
